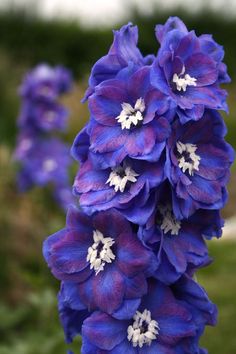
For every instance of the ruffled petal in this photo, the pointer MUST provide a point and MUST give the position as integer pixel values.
(104, 331)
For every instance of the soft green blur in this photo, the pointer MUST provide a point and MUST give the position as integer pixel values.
(29, 321)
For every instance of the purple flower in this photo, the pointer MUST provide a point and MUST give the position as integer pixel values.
(43, 161)
(43, 116)
(40, 91)
(204, 312)
(25, 141)
(159, 325)
(198, 161)
(178, 244)
(100, 260)
(123, 52)
(126, 187)
(208, 45)
(45, 82)
(189, 291)
(127, 118)
(71, 319)
(80, 146)
(189, 69)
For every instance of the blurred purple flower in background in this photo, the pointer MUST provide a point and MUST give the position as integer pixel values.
(43, 158)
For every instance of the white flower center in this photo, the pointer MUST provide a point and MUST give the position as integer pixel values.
(188, 159)
(131, 115)
(144, 330)
(182, 82)
(100, 252)
(50, 116)
(120, 176)
(26, 144)
(49, 165)
(169, 222)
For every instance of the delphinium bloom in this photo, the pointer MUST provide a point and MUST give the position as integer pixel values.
(127, 187)
(189, 70)
(46, 161)
(43, 158)
(99, 258)
(40, 91)
(128, 117)
(179, 245)
(161, 324)
(152, 179)
(198, 161)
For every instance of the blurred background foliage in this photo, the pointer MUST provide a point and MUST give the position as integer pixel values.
(29, 321)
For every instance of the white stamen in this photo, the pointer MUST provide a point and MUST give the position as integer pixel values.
(183, 82)
(143, 330)
(169, 222)
(120, 176)
(190, 149)
(131, 115)
(96, 258)
(49, 165)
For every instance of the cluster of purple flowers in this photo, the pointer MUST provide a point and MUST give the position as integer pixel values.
(153, 172)
(44, 159)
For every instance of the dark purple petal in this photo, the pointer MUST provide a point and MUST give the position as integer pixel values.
(140, 141)
(104, 331)
(124, 347)
(211, 96)
(191, 114)
(173, 23)
(79, 150)
(132, 257)
(107, 140)
(105, 104)
(70, 294)
(108, 288)
(75, 219)
(127, 310)
(166, 272)
(136, 287)
(203, 191)
(188, 45)
(139, 83)
(202, 68)
(67, 250)
(111, 223)
(158, 79)
(156, 348)
(88, 179)
(175, 323)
